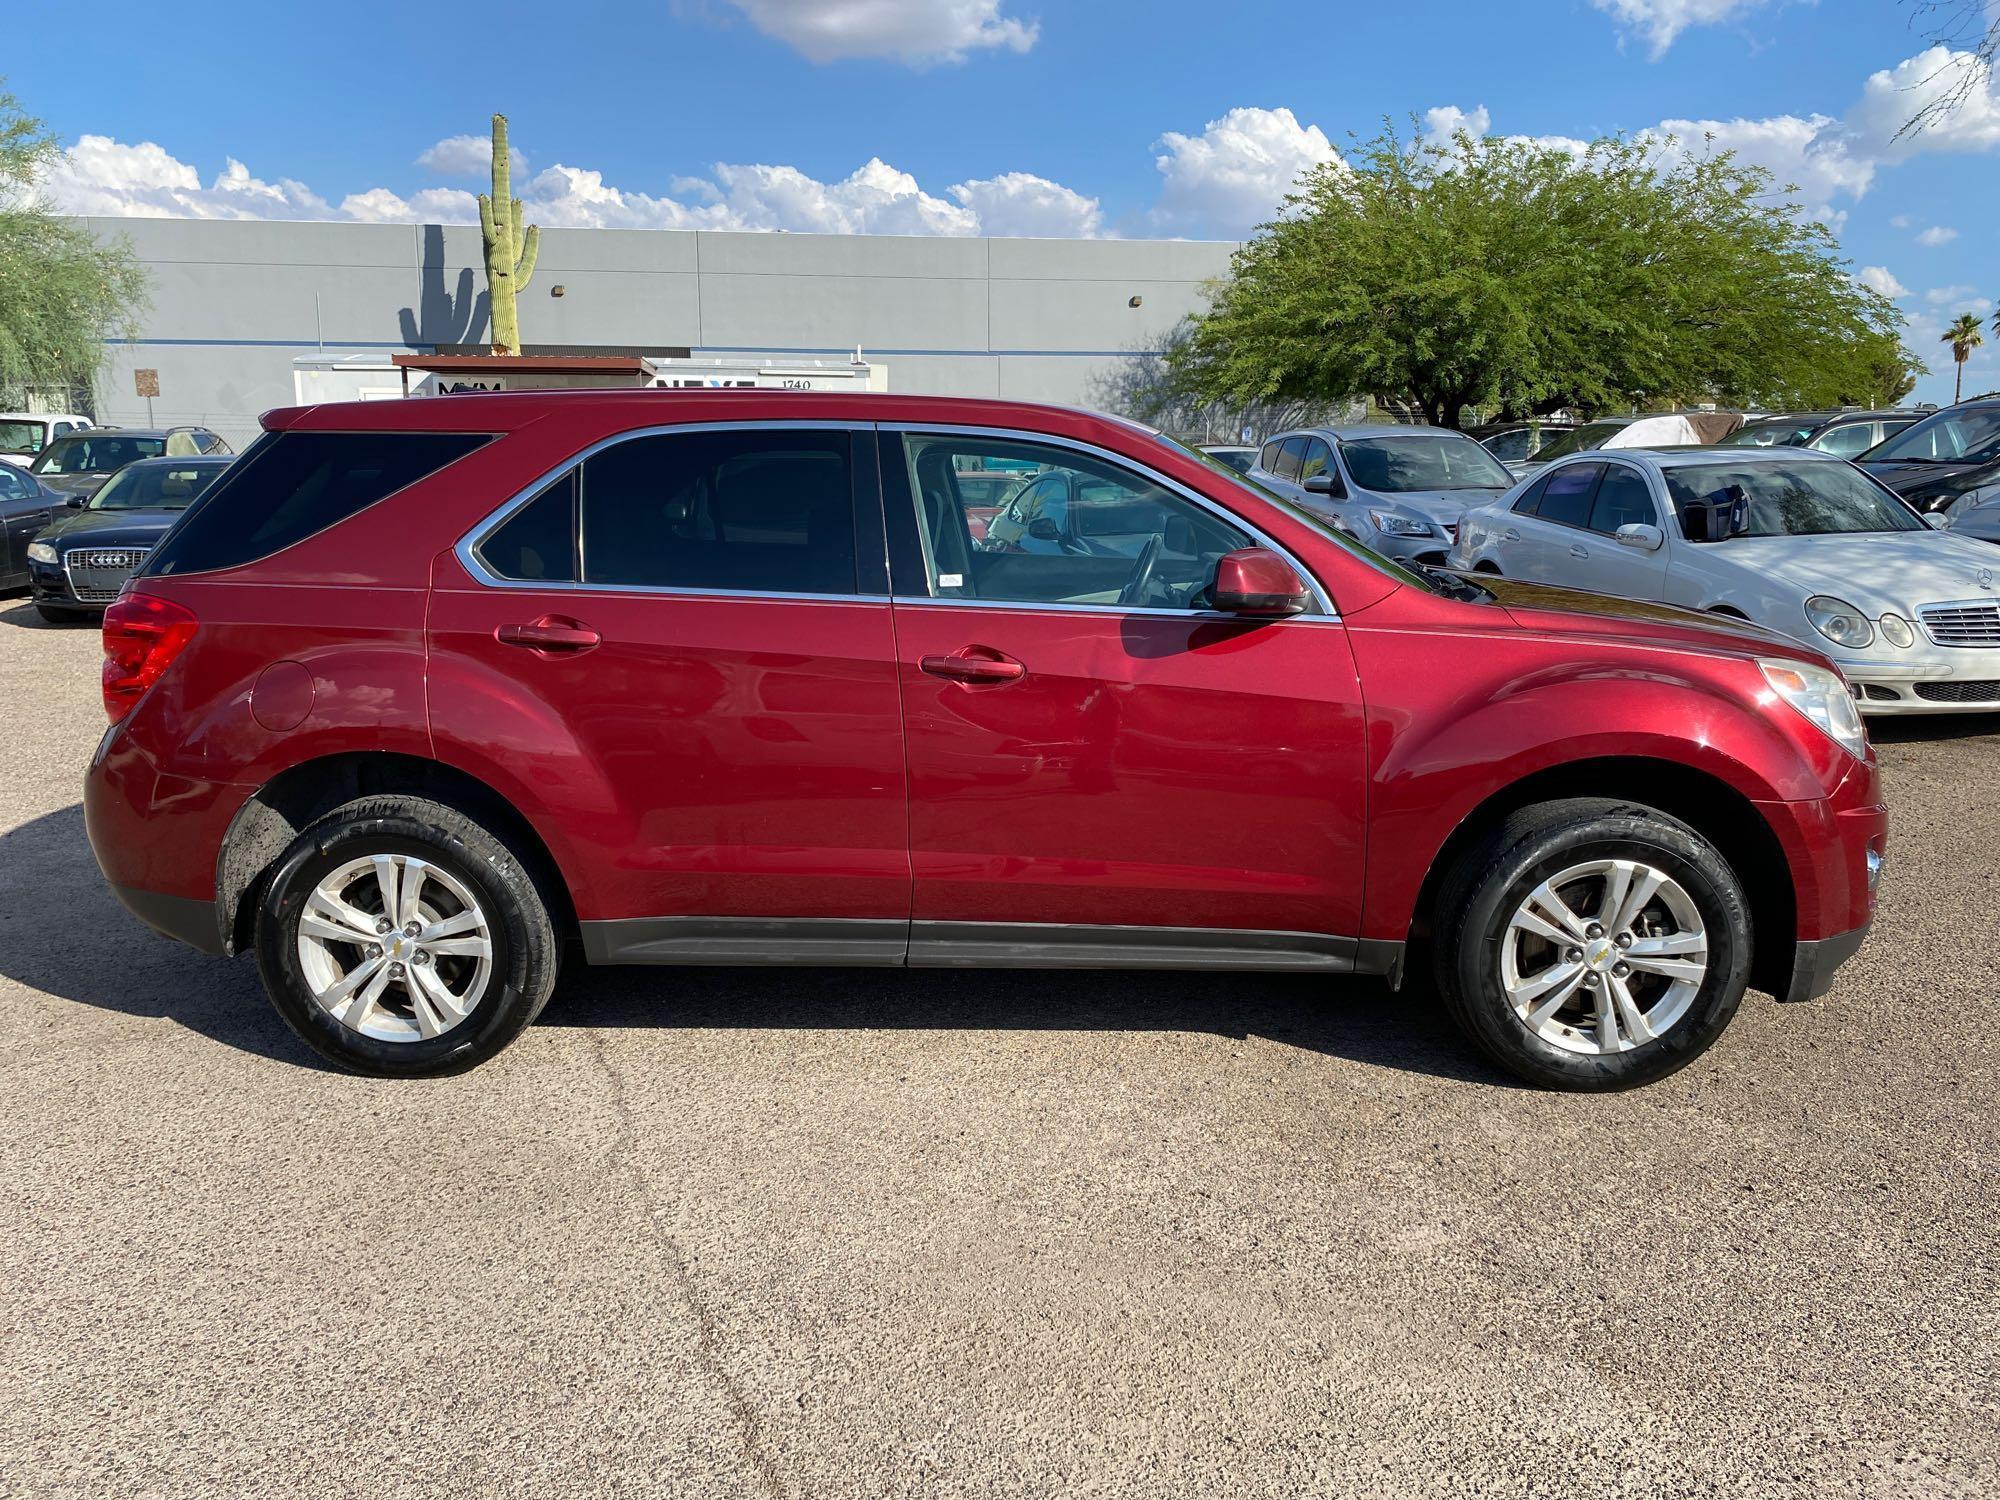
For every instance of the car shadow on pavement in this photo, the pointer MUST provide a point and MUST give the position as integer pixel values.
(22, 614)
(63, 933)
(1922, 728)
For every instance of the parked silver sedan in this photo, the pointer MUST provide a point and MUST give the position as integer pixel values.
(1397, 490)
(1798, 541)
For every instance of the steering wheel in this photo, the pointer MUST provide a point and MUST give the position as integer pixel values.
(1141, 581)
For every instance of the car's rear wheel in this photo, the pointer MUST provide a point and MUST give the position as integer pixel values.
(1593, 945)
(399, 937)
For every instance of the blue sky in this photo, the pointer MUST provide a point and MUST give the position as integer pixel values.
(1128, 117)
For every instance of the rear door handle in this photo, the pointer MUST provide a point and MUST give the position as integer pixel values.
(975, 664)
(549, 633)
(1511, 534)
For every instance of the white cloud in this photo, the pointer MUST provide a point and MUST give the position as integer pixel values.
(1958, 299)
(1233, 176)
(912, 31)
(1447, 120)
(1900, 221)
(1660, 21)
(468, 156)
(1882, 279)
(1937, 234)
(103, 176)
(1022, 204)
(1894, 96)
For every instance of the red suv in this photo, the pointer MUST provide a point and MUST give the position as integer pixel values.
(419, 693)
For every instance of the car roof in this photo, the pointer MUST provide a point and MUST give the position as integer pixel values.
(1369, 430)
(1681, 457)
(218, 460)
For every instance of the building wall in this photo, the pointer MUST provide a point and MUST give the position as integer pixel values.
(235, 301)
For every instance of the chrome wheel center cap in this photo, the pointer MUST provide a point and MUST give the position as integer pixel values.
(397, 947)
(1600, 954)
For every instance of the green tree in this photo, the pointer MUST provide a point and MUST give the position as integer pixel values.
(62, 292)
(1527, 277)
(1963, 336)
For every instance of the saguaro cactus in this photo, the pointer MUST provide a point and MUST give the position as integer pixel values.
(511, 246)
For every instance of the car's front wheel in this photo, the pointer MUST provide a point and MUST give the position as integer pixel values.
(399, 937)
(1593, 945)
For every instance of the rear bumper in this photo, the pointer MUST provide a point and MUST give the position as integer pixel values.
(182, 918)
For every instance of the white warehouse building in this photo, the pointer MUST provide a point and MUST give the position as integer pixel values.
(236, 302)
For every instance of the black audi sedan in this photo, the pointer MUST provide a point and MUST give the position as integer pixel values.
(80, 563)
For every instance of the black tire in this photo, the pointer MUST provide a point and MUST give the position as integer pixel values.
(526, 953)
(55, 614)
(1491, 882)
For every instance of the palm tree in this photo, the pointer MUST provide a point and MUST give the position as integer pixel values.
(1964, 337)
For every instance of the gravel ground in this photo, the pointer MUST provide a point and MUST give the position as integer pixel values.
(836, 1234)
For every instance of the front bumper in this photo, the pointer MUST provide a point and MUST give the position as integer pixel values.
(1815, 961)
(50, 585)
(1936, 680)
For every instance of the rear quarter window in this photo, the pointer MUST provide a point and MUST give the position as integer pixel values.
(292, 485)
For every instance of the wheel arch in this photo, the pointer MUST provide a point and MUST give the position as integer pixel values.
(1716, 810)
(301, 794)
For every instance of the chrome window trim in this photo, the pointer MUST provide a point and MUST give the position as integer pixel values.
(1024, 606)
(1321, 598)
(467, 548)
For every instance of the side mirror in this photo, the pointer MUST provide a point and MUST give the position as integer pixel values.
(1042, 529)
(1644, 538)
(1937, 520)
(1328, 484)
(75, 502)
(1256, 581)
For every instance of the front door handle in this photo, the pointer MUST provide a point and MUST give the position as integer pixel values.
(1578, 551)
(974, 664)
(550, 633)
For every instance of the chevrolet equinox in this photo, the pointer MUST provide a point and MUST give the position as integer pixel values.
(420, 695)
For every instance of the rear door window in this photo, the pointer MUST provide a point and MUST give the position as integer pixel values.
(1566, 497)
(1290, 458)
(756, 510)
(292, 485)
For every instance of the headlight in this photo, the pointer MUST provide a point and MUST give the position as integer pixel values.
(1390, 524)
(1821, 696)
(42, 552)
(1839, 621)
(1970, 500)
(1897, 632)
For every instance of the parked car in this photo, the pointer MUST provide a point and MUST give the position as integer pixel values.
(1242, 460)
(1951, 457)
(1067, 512)
(1671, 429)
(77, 465)
(1844, 434)
(419, 692)
(1400, 490)
(25, 506)
(1517, 444)
(1980, 522)
(1797, 541)
(79, 563)
(23, 434)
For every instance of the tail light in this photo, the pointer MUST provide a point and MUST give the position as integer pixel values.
(142, 636)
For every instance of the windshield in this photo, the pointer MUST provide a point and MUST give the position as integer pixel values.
(1794, 499)
(1239, 459)
(1422, 461)
(22, 437)
(1584, 439)
(147, 487)
(1305, 517)
(96, 453)
(1785, 434)
(1968, 435)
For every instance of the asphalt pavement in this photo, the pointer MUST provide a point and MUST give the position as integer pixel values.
(870, 1234)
